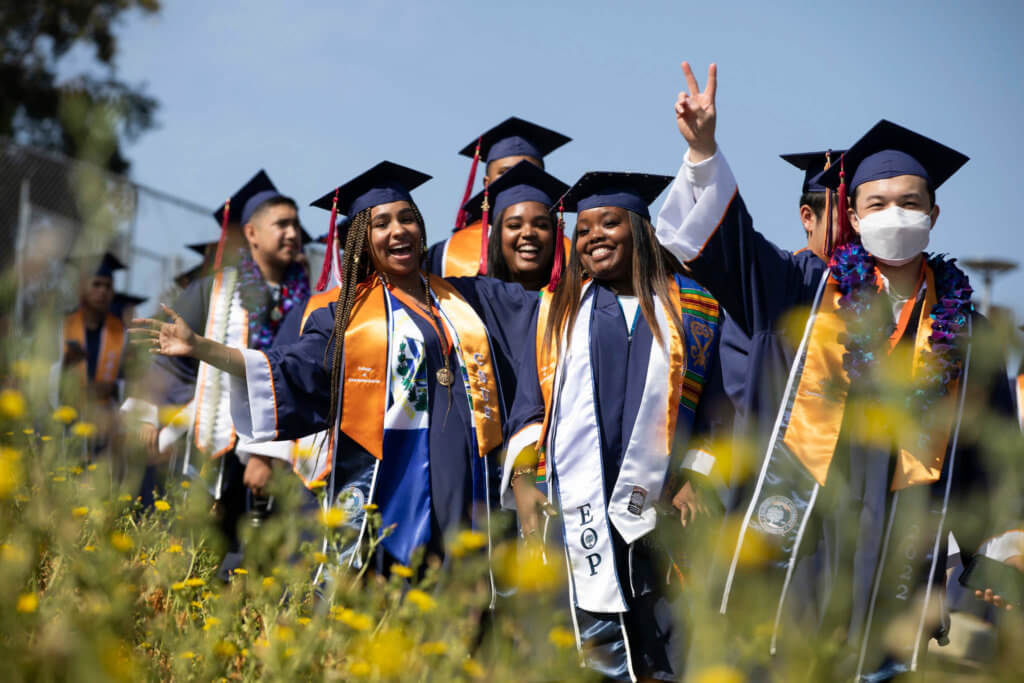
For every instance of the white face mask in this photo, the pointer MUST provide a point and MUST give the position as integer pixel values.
(895, 236)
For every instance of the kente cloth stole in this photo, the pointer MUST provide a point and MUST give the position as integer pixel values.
(108, 360)
(574, 447)
(227, 322)
(700, 314)
(796, 465)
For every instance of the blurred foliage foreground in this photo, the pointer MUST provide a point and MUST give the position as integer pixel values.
(95, 587)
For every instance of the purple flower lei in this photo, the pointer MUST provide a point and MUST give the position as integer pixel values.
(264, 319)
(854, 270)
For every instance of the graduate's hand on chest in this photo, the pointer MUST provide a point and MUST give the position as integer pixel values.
(695, 114)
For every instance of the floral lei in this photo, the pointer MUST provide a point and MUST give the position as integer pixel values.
(854, 270)
(265, 318)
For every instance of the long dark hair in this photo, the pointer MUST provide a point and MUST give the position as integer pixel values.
(652, 266)
(497, 267)
(357, 268)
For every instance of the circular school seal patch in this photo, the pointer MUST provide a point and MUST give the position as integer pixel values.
(351, 499)
(777, 515)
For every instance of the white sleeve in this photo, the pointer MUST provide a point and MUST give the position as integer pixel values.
(696, 204)
(1004, 546)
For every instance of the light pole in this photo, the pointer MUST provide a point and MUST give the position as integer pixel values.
(989, 268)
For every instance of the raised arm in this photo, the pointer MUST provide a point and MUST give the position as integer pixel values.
(705, 224)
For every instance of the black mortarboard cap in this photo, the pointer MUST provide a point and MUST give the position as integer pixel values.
(516, 137)
(631, 191)
(812, 164)
(523, 182)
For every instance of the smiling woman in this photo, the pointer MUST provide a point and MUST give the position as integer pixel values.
(608, 399)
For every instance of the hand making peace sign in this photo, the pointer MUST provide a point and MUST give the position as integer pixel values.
(695, 114)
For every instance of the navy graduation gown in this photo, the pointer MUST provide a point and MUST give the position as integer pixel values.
(759, 284)
(619, 358)
(456, 473)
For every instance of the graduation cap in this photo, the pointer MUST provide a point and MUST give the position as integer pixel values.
(813, 164)
(386, 182)
(631, 191)
(524, 182)
(240, 206)
(98, 265)
(886, 151)
(512, 137)
(200, 247)
(123, 300)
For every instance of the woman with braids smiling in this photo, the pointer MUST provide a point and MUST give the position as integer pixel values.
(405, 365)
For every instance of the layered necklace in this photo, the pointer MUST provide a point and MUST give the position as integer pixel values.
(853, 268)
(267, 305)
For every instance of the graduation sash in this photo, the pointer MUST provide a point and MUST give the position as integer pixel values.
(108, 360)
(796, 465)
(385, 359)
(574, 448)
(227, 322)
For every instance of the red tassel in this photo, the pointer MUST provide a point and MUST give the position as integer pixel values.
(223, 235)
(557, 264)
(484, 222)
(843, 234)
(325, 272)
(829, 245)
(460, 217)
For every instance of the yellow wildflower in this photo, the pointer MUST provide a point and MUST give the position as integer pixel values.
(387, 651)
(719, 674)
(359, 668)
(467, 541)
(175, 548)
(333, 517)
(65, 415)
(162, 505)
(210, 621)
(561, 637)
(85, 430)
(172, 415)
(188, 654)
(89, 548)
(473, 669)
(10, 471)
(285, 634)
(434, 647)
(303, 621)
(195, 582)
(224, 648)
(121, 541)
(28, 432)
(47, 437)
(240, 571)
(12, 404)
(401, 570)
(421, 600)
(370, 507)
(80, 511)
(319, 557)
(124, 498)
(76, 470)
(28, 603)
(355, 620)
(60, 478)
(185, 484)
(177, 585)
(196, 603)
(91, 467)
(268, 582)
(318, 484)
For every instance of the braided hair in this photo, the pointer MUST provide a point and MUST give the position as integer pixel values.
(358, 271)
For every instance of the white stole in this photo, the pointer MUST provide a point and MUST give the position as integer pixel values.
(574, 450)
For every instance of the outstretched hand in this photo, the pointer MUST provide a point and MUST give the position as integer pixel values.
(695, 114)
(173, 338)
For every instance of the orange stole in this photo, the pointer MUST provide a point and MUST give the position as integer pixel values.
(1020, 398)
(817, 414)
(316, 302)
(462, 253)
(547, 365)
(364, 401)
(108, 360)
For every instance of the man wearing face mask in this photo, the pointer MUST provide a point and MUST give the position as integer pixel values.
(873, 453)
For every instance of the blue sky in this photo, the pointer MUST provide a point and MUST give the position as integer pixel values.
(316, 92)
